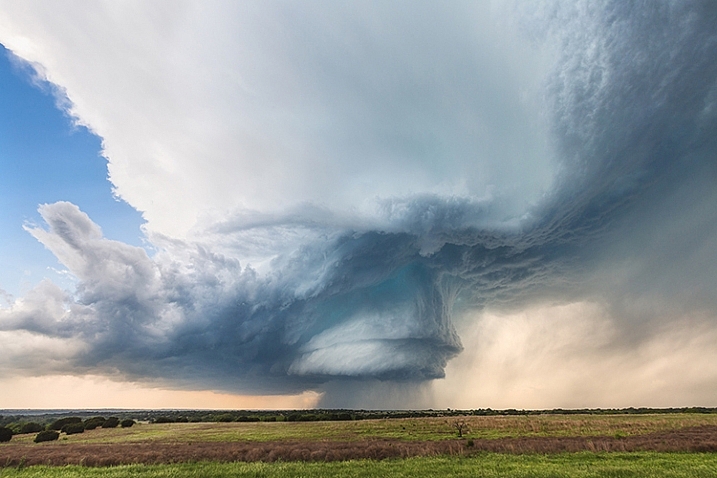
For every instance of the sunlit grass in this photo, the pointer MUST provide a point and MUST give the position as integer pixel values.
(668, 465)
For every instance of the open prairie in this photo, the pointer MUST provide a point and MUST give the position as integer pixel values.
(407, 429)
(339, 441)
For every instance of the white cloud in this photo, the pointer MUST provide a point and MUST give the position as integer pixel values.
(268, 105)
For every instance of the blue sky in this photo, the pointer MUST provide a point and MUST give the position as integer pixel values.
(366, 204)
(44, 158)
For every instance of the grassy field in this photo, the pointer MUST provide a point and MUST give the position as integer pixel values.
(410, 429)
(186, 447)
(614, 465)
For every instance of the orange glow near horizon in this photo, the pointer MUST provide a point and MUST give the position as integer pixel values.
(96, 392)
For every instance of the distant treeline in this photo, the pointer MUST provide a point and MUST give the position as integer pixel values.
(17, 422)
(50, 431)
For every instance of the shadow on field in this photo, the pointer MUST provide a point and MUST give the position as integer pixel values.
(694, 439)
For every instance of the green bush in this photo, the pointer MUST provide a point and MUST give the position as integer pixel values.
(339, 416)
(225, 417)
(58, 424)
(5, 434)
(163, 419)
(301, 417)
(47, 435)
(13, 426)
(31, 427)
(244, 418)
(127, 423)
(73, 428)
(94, 422)
(111, 422)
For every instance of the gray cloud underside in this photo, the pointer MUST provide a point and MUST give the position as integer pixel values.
(631, 221)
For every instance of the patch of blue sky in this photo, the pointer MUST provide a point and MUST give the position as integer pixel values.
(44, 158)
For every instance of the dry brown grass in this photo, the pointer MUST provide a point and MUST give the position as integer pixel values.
(694, 439)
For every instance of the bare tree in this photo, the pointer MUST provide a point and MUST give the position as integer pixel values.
(460, 425)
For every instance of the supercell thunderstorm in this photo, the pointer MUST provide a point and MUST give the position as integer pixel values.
(275, 301)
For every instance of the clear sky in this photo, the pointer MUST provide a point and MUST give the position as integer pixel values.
(44, 158)
(365, 204)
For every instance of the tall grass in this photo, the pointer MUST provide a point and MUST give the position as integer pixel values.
(409, 429)
(614, 465)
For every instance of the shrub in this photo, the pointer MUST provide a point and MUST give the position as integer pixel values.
(460, 425)
(94, 422)
(163, 419)
(5, 434)
(13, 426)
(225, 417)
(47, 435)
(31, 427)
(73, 428)
(308, 417)
(111, 422)
(244, 418)
(58, 424)
(339, 416)
(127, 423)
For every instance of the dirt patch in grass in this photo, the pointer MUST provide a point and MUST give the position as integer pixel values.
(694, 439)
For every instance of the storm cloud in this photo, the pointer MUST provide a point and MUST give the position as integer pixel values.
(340, 185)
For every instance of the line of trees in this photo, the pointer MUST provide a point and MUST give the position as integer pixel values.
(67, 425)
(53, 421)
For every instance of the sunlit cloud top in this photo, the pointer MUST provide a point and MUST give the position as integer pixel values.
(266, 106)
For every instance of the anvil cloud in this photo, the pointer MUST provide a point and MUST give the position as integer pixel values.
(329, 188)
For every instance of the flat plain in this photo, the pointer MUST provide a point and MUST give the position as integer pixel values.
(679, 444)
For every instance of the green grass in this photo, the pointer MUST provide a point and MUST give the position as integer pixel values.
(613, 465)
(402, 429)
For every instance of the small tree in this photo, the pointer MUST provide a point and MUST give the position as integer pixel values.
(31, 427)
(127, 423)
(73, 428)
(47, 435)
(5, 434)
(94, 422)
(226, 417)
(111, 422)
(58, 424)
(460, 425)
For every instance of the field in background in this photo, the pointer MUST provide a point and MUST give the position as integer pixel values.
(410, 429)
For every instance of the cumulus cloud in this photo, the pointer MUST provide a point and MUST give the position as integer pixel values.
(328, 187)
(266, 106)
